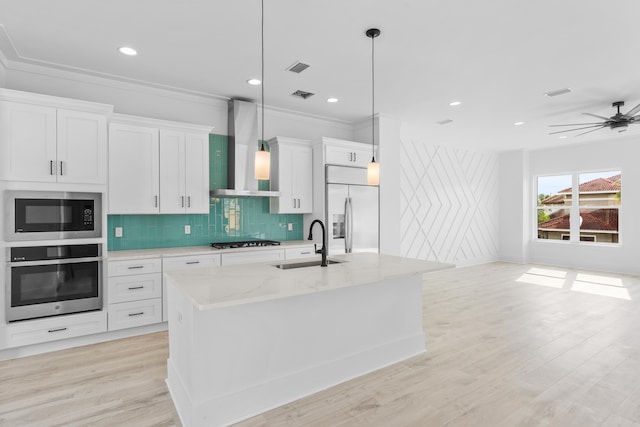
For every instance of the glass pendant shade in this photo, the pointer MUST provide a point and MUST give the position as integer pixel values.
(373, 173)
(262, 164)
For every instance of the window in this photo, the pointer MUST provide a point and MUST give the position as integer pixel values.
(594, 218)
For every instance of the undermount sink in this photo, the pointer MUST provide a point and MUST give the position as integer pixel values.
(313, 263)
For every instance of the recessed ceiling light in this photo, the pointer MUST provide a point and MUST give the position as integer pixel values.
(518, 123)
(455, 103)
(332, 100)
(563, 137)
(254, 82)
(129, 51)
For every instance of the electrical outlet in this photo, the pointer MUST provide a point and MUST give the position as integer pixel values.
(118, 231)
(187, 229)
(290, 226)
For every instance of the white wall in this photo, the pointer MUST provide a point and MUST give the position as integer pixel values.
(515, 230)
(448, 202)
(3, 71)
(621, 153)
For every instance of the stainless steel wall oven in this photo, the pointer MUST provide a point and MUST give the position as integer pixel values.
(51, 280)
(52, 215)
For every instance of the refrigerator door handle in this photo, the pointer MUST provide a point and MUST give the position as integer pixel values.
(348, 223)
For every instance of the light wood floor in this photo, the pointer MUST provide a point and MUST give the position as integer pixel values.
(507, 345)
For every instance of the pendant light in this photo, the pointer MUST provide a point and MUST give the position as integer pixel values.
(373, 168)
(263, 158)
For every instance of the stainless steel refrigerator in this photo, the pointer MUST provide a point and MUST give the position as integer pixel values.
(352, 209)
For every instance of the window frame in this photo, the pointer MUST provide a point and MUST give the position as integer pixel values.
(574, 231)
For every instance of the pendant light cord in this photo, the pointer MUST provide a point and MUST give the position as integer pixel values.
(262, 71)
(373, 102)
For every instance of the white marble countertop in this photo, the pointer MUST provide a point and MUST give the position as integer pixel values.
(196, 250)
(217, 287)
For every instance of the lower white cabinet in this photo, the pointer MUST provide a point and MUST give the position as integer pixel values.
(181, 263)
(134, 293)
(300, 252)
(247, 257)
(135, 313)
(53, 328)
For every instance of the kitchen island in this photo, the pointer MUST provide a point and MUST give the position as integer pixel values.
(244, 339)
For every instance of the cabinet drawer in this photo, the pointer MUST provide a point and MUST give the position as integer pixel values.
(301, 252)
(252, 256)
(182, 262)
(134, 288)
(134, 266)
(54, 328)
(136, 313)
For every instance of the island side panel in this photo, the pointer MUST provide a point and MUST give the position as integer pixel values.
(246, 359)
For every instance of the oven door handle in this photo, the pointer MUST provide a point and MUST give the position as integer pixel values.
(53, 261)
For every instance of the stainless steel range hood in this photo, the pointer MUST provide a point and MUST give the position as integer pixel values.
(243, 143)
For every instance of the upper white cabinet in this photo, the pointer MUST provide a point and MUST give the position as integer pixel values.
(184, 177)
(291, 175)
(134, 171)
(49, 139)
(346, 153)
(157, 166)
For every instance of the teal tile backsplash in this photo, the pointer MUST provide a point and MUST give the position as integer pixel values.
(230, 218)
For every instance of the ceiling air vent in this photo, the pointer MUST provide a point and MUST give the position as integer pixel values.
(298, 67)
(302, 94)
(444, 122)
(558, 92)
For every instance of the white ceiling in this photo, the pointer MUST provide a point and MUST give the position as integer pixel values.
(498, 57)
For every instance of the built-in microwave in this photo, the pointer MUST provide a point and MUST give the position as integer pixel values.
(52, 215)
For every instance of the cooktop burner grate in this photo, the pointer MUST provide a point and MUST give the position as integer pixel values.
(244, 244)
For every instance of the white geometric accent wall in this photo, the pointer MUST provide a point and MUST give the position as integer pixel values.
(449, 204)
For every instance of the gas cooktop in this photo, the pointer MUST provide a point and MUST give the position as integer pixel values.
(244, 244)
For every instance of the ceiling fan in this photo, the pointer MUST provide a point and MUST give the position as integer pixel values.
(618, 121)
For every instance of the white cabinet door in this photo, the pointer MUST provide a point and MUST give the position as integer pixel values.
(292, 175)
(81, 147)
(303, 180)
(197, 172)
(27, 142)
(133, 169)
(172, 172)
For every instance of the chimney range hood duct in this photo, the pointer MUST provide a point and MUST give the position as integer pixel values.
(243, 143)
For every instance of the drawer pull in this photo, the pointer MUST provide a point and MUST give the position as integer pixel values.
(305, 253)
(140, 313)
(133, 267)
(136, 287)
(57, 330)
(193, 262)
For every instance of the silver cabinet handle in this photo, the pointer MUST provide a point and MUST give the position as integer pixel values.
(351, 157)
(57, 330)
(188, 201)
(156, 201)
(355, 157)
(133, 267)
(305, 253)
(294, 203)
(136, 287)
(193, 262)
(51, 167)
(298, 203)
(61, 173)
(182, 197)
(140, 313)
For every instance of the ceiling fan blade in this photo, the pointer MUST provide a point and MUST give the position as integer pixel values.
(633, 110)
(589, 131)
(599, 126)
(579, 124)
(597, 116)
